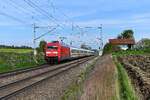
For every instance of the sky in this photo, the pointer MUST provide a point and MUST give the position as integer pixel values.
(70, 17)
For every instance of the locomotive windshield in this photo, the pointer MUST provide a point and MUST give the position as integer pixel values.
(52, 47)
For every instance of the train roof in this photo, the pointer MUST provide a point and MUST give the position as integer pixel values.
(81, 49)
(56, 43)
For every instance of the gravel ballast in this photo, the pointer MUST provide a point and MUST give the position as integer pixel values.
(54, 88)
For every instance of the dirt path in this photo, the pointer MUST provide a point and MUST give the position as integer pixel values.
(101, 83)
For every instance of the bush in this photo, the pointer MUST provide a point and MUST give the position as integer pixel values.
(147, 49)
(40, 57)
(143, 45)
(42, 46)
(110, 48)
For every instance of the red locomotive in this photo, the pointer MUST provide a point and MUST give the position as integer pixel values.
(56, 52)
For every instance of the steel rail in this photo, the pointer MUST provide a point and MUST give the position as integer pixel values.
(18, 82)
(21, 80)
(19, 71)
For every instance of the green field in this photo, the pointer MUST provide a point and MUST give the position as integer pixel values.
(12, 59)
(16, 50)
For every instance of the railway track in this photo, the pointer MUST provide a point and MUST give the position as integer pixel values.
(10, 89)
(12, 76)
(19, 71)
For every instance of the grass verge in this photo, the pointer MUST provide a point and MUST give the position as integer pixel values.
(129, 52)
(12, 61)
(126, 90)
(75, 90)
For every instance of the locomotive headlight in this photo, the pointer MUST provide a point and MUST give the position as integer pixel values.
(55, 52)
(48, 52)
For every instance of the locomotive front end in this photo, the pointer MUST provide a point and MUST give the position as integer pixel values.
(52, 52)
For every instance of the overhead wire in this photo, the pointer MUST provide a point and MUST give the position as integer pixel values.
(37, 9)
(40, 10)
(62, 25)
(24, 10)
(44, 13)
(77, 26)
(65, 15)
(19, 9)
(46, 33)
(68, 18)
(55, 8)
(14, 18)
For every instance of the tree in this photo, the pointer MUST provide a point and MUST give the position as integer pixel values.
(127, 34)
(42, 46)
(120, 36)
(143, 45)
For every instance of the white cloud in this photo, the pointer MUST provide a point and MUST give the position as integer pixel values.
(143, 15)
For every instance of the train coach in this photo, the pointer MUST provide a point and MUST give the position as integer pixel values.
(56, 52)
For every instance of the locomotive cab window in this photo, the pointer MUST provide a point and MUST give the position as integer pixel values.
(52, 47)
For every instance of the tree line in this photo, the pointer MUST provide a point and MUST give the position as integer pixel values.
(15, 47)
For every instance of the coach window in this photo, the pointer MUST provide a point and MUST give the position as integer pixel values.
(72, 51)
(78, 51)
(81, 51)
